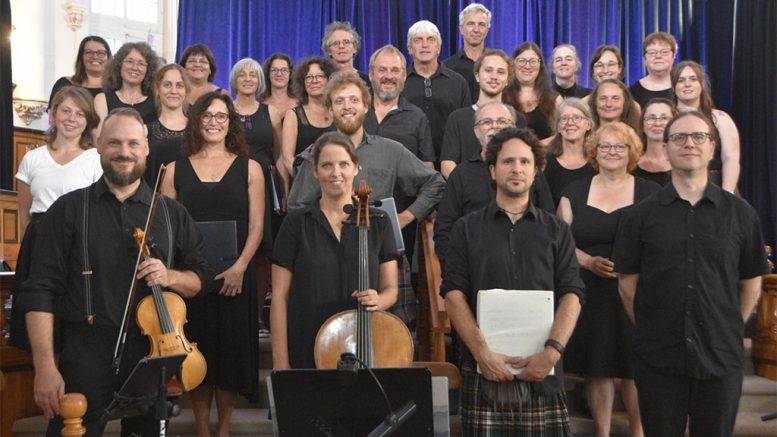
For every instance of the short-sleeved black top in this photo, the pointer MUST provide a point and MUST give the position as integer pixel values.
(324, 271)
(690, 260)
(486, 250)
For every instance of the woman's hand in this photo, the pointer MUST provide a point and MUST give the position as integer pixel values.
(369, 299)
(233, 280)
(601, 266)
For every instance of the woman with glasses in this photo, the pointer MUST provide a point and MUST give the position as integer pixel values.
(200, 67)
(600, 347)
(654, 164)
(691, 88)
(658, 49)
(223, 190)
(93, 53)
(303, 124)
(530, 92)
(611, 101)
(277, 69)
(606, 63)
(128, 82)
(165, 134)
(566, 161)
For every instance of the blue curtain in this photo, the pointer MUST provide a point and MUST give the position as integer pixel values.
(234, 29)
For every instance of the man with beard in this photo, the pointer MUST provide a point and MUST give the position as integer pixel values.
(474, 24)
(511, 244)
(387, 166)
(391, 115)
(470, 187)
(493, 71)
(83, 267)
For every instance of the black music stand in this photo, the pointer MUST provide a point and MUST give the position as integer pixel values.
(145, 391)
(331, 403)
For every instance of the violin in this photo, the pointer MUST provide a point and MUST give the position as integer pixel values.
(161, 316)
(377, 338)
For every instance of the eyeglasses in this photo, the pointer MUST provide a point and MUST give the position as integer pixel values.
(680, 138)
(533, 62)
(607, 148)
(654, 120)
(653, 53)
(602, 65)
(501, 122)
(315, 78)
(575, 119)
(135, 63)
(95, 53)
(220, 117)
(280, 71)
(342, 42)
(196, 61)
(428, 88)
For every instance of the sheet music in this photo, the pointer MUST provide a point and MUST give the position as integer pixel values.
(515, 322)
(388, 206)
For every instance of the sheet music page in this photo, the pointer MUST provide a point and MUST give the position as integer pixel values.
(515, 322)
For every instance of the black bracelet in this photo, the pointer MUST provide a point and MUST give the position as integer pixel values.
(555, 344)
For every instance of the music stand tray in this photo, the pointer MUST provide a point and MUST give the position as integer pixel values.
(319, 403)
(145, 388)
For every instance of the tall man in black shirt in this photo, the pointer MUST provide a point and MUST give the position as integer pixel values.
(689, 262)
(91, 311)
(511, 244)
(474, 24)
(430, 85)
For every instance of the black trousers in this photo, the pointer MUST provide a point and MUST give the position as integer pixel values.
(668, 402)
(86, 365)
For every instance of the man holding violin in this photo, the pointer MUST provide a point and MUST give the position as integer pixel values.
(83, 270)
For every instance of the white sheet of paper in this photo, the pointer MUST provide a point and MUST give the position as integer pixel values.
(515, 322)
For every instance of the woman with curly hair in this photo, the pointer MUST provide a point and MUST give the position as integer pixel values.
(127, 82)
(223, 190)
(530, 92)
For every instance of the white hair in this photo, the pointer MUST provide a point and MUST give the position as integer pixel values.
(425, 27)
(251, 64)
(475, 7)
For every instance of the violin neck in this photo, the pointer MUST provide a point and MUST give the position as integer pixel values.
(364, 318)
(165, 321)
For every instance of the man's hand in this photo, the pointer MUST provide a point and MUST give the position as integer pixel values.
(537, 366)
(494, 366)
(155, 272)
(602, 267)
(48, 388)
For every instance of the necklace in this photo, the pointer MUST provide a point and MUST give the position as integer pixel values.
(127, 99)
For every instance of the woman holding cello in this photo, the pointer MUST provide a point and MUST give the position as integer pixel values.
(315, 258)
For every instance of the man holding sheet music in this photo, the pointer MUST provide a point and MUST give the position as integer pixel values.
(511, 244)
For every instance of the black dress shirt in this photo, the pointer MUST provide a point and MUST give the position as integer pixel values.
(690, 260)
(574, 91)
(447, 91)
(470, 188)
(459, 140)
(487, 250)
(58, 262)
(324, 271)
(462, 64)
(407, 124)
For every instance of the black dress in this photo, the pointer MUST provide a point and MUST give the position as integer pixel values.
(258, 134)
(164, 147)
(537, 121)
(602, 341)
(559, 177)
(324, 272)
(146, 108)
(660, 177)
(307, 134)
(223, 327)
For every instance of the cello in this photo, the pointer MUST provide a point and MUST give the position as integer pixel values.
(161, 315)
(377, 338)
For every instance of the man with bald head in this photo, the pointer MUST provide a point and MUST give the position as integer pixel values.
(82, 269)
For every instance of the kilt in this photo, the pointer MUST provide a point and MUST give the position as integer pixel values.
(538, 416)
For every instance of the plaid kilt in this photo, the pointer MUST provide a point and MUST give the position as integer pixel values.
(538, 416)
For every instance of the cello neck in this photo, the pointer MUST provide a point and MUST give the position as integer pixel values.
(363, 317)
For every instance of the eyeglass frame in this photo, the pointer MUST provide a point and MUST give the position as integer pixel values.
(488, 123)
(697, 138)
(618, 147)
(206, 117)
